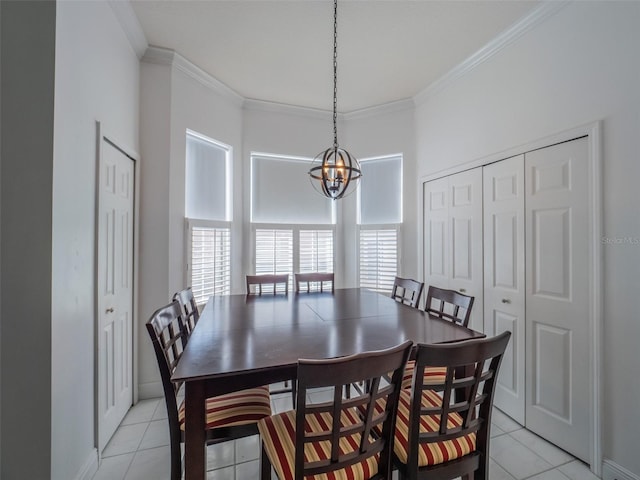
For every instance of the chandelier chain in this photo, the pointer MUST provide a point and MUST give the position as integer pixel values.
(335, 74)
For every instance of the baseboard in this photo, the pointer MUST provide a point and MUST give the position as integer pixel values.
(150, 390)
(90, 466)
(613, 471)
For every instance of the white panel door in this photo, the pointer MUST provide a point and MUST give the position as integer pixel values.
(436, 233)
(115, 289)
(465, 232)
(558, 373)
(504, 276)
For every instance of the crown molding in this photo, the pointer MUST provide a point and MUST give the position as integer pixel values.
(130, 25)
(166, 56)
(383, 109)
(506, 38)
(284, 108)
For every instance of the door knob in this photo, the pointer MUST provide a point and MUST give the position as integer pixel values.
(506, 300)
(110, 310)
(463, 290)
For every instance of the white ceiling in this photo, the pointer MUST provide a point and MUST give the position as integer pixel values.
(282, 51)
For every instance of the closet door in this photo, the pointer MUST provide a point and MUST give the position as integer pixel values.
(557, 311)
(453, 237)
(436, 233)
(465, 227)
(504, 276)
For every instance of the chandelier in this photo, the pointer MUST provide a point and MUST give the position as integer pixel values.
(335, 172)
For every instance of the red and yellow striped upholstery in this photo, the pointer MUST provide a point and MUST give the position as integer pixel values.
(429, 453)
(432, 375)
(237, 408)
(279, 437)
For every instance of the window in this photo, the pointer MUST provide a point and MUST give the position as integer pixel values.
(380, 220)
(293, 248)
(208, 214)
(293, 226)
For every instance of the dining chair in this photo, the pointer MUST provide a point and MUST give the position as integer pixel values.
(449, 303)
(442, 429)
(228, 417)
(190, 312)
(339, 438)
(316, 279)
(407, 291)
(258, 281)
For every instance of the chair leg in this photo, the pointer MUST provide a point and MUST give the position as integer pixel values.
(294, 392)
(265, 465)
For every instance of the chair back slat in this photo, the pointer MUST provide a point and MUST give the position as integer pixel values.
(407, 291)
(258, 281)
(190, 311)
(449, 300)
(461, 403)
(315, 279)
(369, 417)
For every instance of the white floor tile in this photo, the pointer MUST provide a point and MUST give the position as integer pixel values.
(220, 455)
(157, 435)
(161, 411)
(247, 448)
(576, 470)
(554, 474)
(515, 458)
(154, 463)
(504, 422)
(552, 454)
(114, 468)
(141, 412)
(126, 439)
(496, 472)
(248, 470)
(227, 473)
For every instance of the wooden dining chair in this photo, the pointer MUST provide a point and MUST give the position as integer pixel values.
(258, 281)
(407, 291)
(449, 305)
(442, 429)
(314, 279)
(190, 312)
(349, 437)
(228, 417)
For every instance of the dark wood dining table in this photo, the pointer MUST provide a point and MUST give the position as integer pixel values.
(244, 341)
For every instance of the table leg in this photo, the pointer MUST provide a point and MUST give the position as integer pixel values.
(194, 444)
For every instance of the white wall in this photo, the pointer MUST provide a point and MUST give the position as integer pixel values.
(97, 78)
(577, 67)
(171, 102)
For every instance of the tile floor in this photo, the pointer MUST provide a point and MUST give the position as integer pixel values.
(139, 450)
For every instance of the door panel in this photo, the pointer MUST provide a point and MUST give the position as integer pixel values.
(436, 232)
(504, 262)
(557, 304)
(115, 287)
(465, 214)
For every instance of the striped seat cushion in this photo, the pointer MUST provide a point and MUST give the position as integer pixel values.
(429, 453)
(278, 435)
(432, 375)
(237, 408)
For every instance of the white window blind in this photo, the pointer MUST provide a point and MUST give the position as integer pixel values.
(316, 251)
(380, 192)
(378, 258)
(209, 267)
(282, 193)
(207, 179)
(293, 249)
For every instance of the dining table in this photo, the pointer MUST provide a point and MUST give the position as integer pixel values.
(243, 341)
